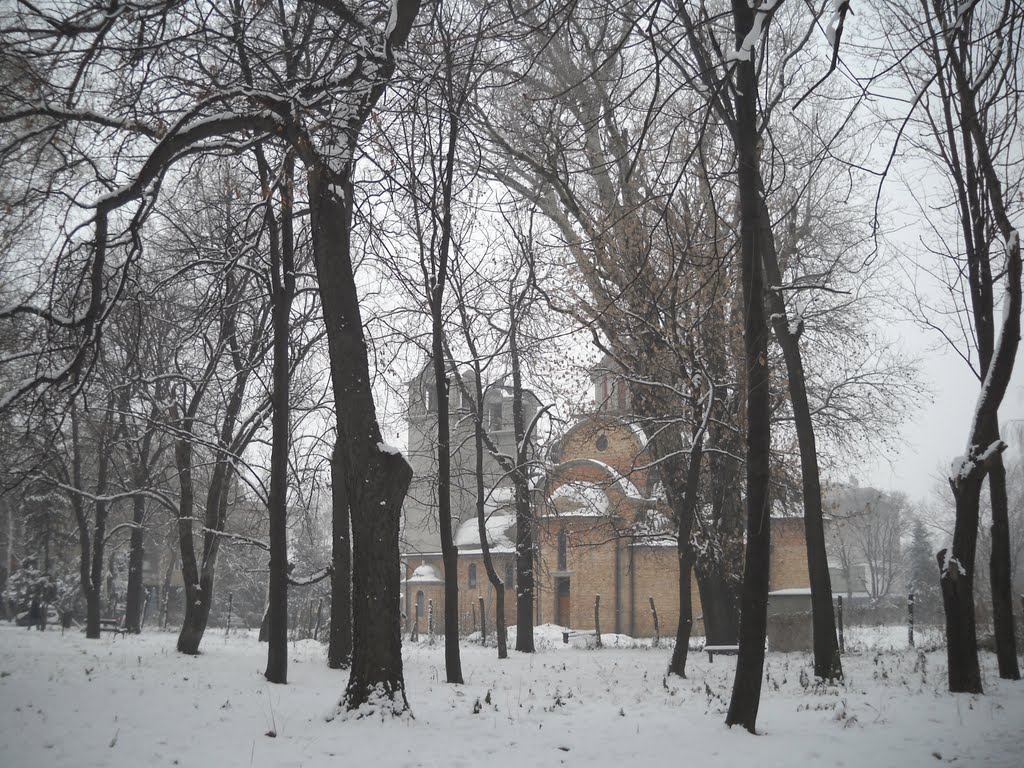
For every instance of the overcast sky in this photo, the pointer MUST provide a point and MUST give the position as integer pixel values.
(937, 434)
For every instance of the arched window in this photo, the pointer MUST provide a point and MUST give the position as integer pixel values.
(510, 574)
(563, 547)
(419, 604)
(472, 575)
(494, 417)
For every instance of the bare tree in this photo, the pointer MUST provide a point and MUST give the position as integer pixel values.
(961, 62)
(869, 527)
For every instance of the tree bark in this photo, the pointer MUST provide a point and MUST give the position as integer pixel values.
(376, 478)
(827, 664)
(746, 692)
(485, 546)
(525, 555)
(437, 278)
(339, 648)
(687, 512)
(91, 543)
(282, 279)
(136, 556)
(1000, 576)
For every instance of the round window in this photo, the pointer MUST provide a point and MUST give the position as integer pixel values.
(602, 443)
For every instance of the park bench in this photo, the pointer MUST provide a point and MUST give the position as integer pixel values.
(721, 650)
(117, 626)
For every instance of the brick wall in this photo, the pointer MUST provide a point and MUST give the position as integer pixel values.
(469, 598)
(622, 449)
(789, 554)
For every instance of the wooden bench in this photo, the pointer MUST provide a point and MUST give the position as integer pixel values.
(721, 650)
(113, 625)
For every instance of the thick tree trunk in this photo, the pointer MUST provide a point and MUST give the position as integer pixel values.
(282, 276)
(198, 602)
(719, 605)
(1000, 576)
(956, 571)
(339, 648)
(191, 632)
(197, 577)
(524, 571)
(525, 555)
(376, 477)
(136, 555)
(746, 692)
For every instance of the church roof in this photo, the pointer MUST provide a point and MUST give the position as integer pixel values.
(580, 498)
(424, 574)
(500, 529)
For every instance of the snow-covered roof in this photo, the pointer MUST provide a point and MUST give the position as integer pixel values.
(424, 574)
(615, 478)
(581, 499)
(500, 534)
(624, 484)
(638, 432)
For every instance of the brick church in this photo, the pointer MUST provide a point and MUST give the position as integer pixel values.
(601, 526)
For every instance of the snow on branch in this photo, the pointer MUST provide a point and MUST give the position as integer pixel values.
(964, 467)
(961, 13)
(947, 561)
(312, 578)
(753, 37)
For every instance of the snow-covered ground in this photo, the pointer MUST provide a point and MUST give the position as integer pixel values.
(67, 701)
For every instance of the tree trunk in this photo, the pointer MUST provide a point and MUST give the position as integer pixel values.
(91, 545)
(827, 664)
(719, 568)
(677, 666)
(686, 513)
(956, 571)
(1000, 576)
(282, 276)
(719, 604)
(376, 477)
(197, 615)
(136, 555)
(485, 546)
(525, 555)
(191, 634)
(746, 692)
(339, 648)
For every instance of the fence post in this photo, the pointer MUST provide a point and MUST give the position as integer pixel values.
(430, 621)
(910, 619)
(597, 619)
(227, 627)
(839, 623)
(483, 623)
(657, 629)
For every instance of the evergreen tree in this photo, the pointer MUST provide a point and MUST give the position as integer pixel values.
(922, 578)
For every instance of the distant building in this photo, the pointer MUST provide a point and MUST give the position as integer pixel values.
(602, 527)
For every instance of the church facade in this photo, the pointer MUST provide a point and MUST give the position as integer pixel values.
(603, 535)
